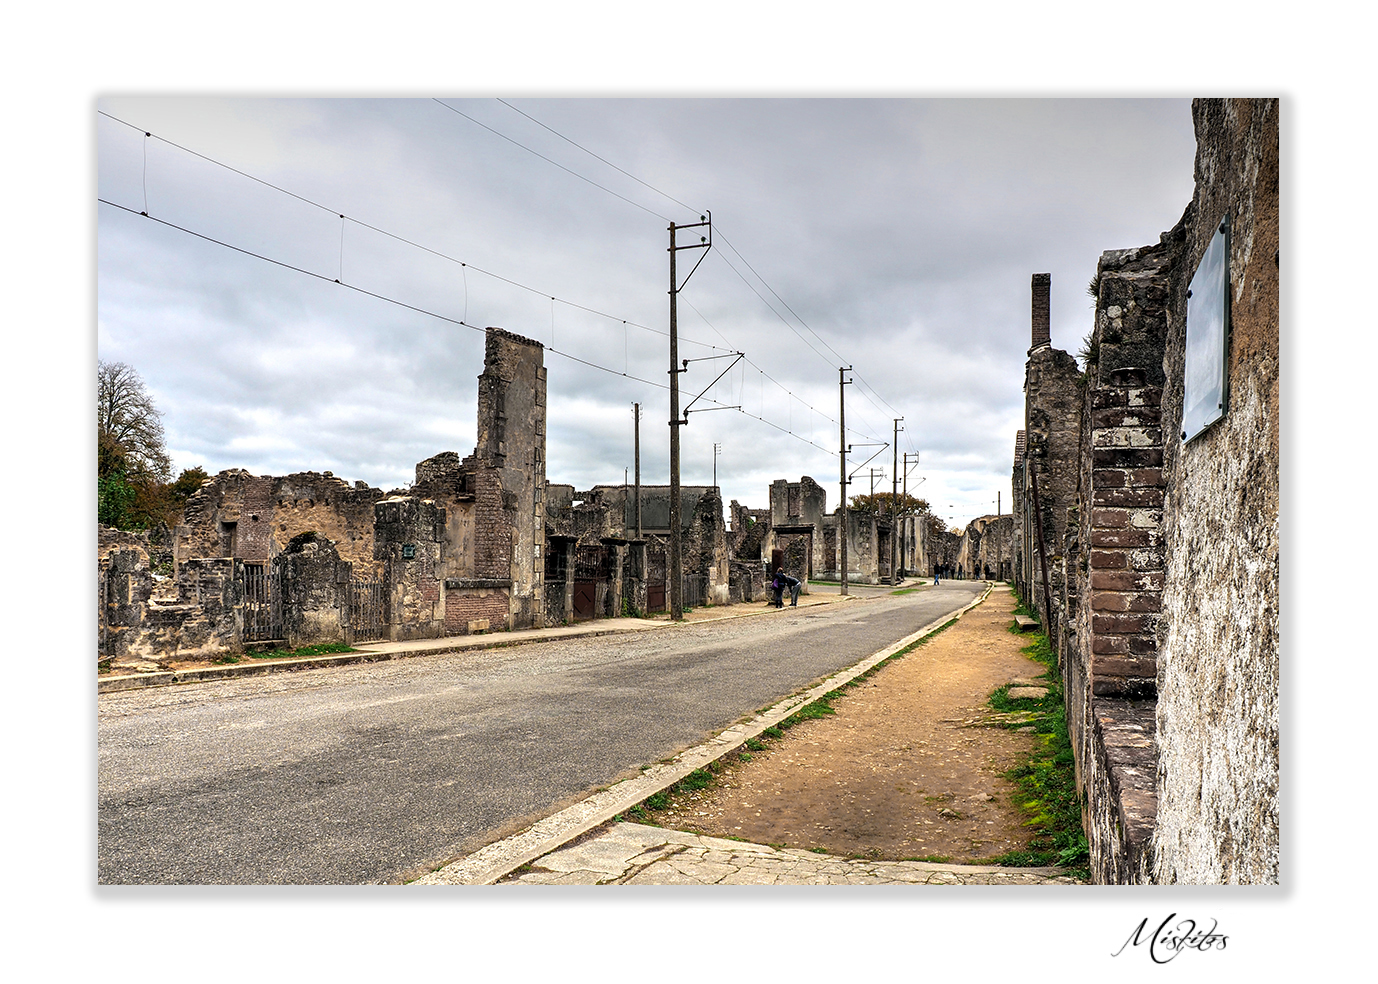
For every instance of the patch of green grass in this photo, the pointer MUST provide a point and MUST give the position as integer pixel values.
(1021, 607)
(1047, 782)
(302, 652)
(904, 591)
(227, 658)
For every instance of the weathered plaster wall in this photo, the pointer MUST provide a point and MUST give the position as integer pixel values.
(1218, 663)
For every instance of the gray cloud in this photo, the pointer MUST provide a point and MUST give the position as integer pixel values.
(903, 232)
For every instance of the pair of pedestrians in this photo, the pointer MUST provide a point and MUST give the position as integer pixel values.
(779, 585)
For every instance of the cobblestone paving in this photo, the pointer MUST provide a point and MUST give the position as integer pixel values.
(634, 854)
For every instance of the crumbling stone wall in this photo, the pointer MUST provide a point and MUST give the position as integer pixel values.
(863, 550)
(801, 503)
(408, 533)
(254, 517)
(145, 624)
(1164, 565)
(746, 543)
(1218, 656)
(704, 547)
(1020, 510)
(313, 579)
(511, 443)
(985, 549)
(1052, 417)
(1115, 562)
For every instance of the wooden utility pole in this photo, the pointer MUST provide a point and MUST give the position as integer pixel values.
(905, 490)
(676, 586)
(894, 504)
(636, 453)
(842, 454)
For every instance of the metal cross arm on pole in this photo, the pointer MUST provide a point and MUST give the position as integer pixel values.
(739, 357)
(705, 243)
(882, 446)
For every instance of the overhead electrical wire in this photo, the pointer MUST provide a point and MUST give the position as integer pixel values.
(433, 314)
(409, 242)
(865, 384)
(465, 266)
(556, 163)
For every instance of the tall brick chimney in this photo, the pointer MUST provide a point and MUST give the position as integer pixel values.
(1042, 333)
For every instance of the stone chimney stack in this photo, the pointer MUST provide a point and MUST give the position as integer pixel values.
(1042, 333)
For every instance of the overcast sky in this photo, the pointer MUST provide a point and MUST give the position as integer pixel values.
(897, 236)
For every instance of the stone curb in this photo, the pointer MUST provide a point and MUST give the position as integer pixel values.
(423, 647)
(497, 860)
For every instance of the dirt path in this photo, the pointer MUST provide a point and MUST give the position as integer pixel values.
(898, 772)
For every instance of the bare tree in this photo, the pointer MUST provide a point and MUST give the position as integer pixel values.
(128, 425)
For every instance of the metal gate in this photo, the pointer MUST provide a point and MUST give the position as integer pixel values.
(655, 580)
(364, 618)
(262, 603)
(590, 567)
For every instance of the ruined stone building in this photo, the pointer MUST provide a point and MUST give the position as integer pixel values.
(1159, 534)
(460, 551)
(597, 529)
(803, 537)
(797, 538)
(985, 549)
(478, 543)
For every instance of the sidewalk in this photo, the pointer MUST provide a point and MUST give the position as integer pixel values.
(368, 652)
(586, 845)
(634, 854)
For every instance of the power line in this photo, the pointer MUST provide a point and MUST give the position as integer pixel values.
(402, 239)
(595, 156)
(556, 163)
(835, 353)
(465, 266)
(429, 313)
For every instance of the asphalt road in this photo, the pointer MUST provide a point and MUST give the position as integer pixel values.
(376, 773)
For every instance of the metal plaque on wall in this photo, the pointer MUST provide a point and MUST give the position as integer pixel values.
(1208, 333)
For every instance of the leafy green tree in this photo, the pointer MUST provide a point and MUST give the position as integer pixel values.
(129, 428)
(187, 484)
(114, 499)
(132, 464)
(881, 501)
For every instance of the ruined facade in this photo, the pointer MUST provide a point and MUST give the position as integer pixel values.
(796, 539)
(1051, 462)
(253, 517)
(1161, 548)
(309, 558)
(985, 550)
